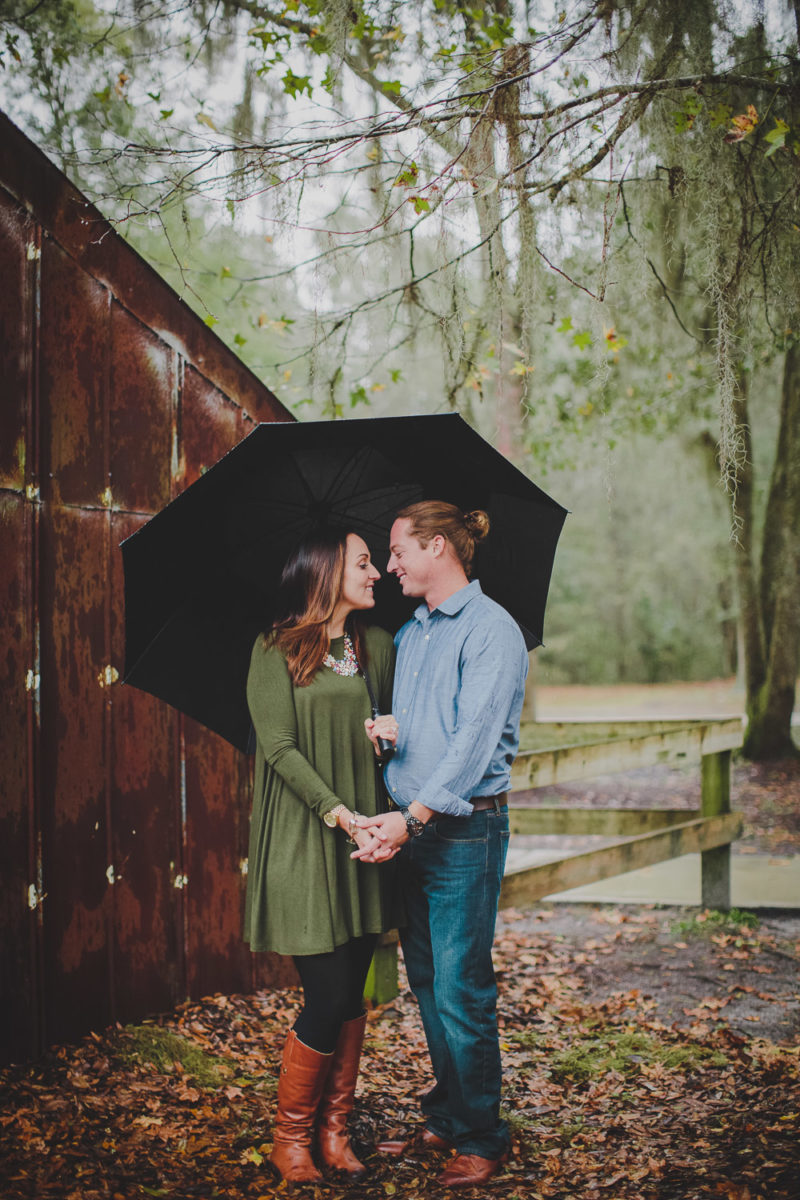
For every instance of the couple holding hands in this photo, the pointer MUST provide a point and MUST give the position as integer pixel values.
(342, 849)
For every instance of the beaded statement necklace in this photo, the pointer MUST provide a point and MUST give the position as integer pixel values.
(343, 666)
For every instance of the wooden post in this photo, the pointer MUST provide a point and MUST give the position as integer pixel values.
(381, 985)
(715, 783)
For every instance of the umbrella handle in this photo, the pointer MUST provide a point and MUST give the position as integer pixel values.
(384, 745)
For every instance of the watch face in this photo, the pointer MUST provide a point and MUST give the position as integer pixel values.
(330, 819)
(413, 825)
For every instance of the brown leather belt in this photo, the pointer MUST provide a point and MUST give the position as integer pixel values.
(479, 803)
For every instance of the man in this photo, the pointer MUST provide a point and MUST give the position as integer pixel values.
(459, 684)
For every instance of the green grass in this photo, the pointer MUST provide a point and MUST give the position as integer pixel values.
(139, 1045)
(710, 922)
(519, 1127)
(592, 1054)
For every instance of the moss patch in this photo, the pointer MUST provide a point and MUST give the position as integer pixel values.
(592, 1054)
(160, 1048)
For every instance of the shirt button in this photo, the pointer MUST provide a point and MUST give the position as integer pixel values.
(405, 710)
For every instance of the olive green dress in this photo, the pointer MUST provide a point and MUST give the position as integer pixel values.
(305, 894)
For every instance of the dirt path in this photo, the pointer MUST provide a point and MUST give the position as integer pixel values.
(686, 966)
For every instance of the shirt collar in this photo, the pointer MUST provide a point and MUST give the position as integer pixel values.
(453, 604)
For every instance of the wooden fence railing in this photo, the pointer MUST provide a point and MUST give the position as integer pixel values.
(557, 752)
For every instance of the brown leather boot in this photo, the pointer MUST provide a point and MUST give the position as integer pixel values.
(302, 1078)
(337, 1101)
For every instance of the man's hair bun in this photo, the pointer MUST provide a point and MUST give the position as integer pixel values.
(477, 523)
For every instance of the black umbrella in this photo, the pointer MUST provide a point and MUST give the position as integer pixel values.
(200, 575)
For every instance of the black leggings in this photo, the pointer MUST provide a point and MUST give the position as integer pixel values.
(333, 990)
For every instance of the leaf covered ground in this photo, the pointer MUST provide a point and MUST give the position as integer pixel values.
(649, 1054)
(613, 1091)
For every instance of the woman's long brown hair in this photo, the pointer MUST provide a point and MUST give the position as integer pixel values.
(310, 587)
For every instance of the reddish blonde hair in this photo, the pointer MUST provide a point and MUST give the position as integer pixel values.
(310, 587)
(462, 530)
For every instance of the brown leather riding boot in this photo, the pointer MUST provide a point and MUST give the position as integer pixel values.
(337, 1101)
(302, 1079)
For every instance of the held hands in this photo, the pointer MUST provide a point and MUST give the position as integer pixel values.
(371, 842)
(372, 846)
(387, 833)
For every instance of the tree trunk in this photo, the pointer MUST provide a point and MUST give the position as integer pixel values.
(770, 701)
(750, 618)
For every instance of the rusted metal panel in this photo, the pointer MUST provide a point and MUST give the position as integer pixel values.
(143, 450)
(215, 811)
(215, 775)
(20, 894)
(272, 971)
(20, 890)
(149, 972)
(211, 424)
(89, 238)
(144, 457)
(73, 381)
(218, 785)
(18, 257)
(126, 824)
(74, 817)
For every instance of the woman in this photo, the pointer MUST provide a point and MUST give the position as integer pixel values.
(315, 772)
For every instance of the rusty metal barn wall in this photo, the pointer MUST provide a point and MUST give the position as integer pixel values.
(123, 826)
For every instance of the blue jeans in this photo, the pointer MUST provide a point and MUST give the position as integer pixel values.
(450, 878)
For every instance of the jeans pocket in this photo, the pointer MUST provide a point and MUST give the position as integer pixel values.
(460, 829)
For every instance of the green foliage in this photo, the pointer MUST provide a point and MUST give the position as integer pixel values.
(631, 597)
(295, 85)
(777, 138)
(9, 47)
(711, 922)
(685, 117)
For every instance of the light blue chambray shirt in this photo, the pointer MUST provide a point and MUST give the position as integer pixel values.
(458, 690)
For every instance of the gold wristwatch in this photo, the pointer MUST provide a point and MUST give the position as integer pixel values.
(331, 818)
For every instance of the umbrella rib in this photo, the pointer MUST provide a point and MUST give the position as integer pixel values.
(349, 467)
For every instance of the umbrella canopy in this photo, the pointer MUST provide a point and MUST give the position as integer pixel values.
(200, 575)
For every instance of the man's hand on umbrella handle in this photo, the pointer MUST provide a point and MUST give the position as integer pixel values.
(384, 726)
